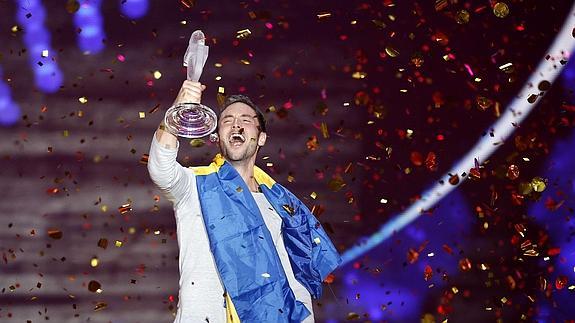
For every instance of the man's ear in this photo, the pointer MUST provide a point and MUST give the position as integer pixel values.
(262, 139)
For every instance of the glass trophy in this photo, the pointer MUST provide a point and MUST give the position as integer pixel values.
(192, 120)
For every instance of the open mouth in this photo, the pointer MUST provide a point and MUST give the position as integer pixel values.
(236, 139)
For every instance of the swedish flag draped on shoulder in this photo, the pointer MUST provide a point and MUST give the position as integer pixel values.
(244, 252)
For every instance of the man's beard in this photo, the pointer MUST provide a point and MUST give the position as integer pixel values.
(243, 154)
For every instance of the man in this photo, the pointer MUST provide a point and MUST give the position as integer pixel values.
(250, 251)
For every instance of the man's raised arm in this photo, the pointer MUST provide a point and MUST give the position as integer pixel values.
(164, 170)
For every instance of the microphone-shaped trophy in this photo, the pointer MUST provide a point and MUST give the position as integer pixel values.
(192, 120)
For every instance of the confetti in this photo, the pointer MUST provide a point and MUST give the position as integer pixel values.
(538, 184)
(55, 234)
(125, 208)
(188, 3)
(94, 286)
(392, 52)
(462, 17)
(500, 10)
(243, 34)
(103, 243)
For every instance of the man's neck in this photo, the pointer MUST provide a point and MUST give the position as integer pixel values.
(246, 171)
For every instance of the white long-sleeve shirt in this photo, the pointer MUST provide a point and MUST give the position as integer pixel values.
(201, 295)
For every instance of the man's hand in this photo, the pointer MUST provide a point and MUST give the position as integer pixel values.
(190, 92)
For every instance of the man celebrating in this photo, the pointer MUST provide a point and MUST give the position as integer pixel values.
(250, 251)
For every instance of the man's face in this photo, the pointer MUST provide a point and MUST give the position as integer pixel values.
(239, 133)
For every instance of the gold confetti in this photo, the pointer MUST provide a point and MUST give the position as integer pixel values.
(157, 75)
(392, 52)
(352, 316)
(359, 75)
(462, 17)
(83, 100)
(118, 243)
(243, 34)
(483, 102)
(94, 262)
(125, 208)
(440, 5)
(100, 306)
(103, 243)
(55, 234)
(313, 195)
(525, 188)
(323, 15)
(45, 53)
(289, 209)
(154, 109)
(188, 3)
(94, 286)
(142, 114)
(501, 10)
(324, 131)
(506, 67)
(538, 184)
(465, 264)
(417, 59)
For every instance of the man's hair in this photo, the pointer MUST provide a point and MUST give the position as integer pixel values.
(231, 99)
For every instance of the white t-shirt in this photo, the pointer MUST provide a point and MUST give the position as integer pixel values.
(201, 295)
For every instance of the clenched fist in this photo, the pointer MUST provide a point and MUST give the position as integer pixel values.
(190, 92)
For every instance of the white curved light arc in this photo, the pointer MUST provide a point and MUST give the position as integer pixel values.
(547, 70)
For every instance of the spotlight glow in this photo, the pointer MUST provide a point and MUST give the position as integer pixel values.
(88, 19)
(47, 76)
(9, 110)
(134, 9)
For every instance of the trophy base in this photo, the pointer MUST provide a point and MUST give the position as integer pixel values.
(190, 120)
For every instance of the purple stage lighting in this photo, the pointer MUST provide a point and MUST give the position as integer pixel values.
(134, 9)
(9, 110)
(47, 76)
(89, 20)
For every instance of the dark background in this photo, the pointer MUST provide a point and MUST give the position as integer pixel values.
(68, 167)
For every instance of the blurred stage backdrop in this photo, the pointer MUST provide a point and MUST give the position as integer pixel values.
(369, 103)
